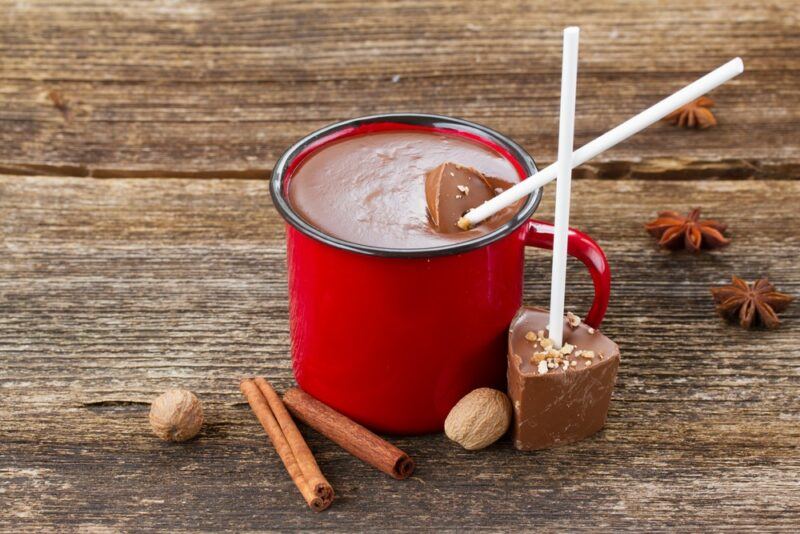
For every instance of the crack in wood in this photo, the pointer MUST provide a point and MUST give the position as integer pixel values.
(73, 171)
(115, 406)
(649, 168)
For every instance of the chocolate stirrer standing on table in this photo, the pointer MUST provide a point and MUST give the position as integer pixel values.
(566, 128)
(616, 135)
(559, 382)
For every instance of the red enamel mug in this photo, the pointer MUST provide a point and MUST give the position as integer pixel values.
(394, 338)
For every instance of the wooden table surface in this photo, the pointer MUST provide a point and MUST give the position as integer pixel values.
(139, 250)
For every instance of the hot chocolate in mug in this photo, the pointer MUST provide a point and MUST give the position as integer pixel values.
(392, 324)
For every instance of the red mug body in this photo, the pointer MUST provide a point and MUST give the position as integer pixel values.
(394, 338)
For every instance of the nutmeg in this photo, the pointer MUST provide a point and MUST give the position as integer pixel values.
(479, 419)
(176, 415)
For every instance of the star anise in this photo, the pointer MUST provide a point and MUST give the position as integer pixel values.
(695, 114)
(677, 231)
(755, 304)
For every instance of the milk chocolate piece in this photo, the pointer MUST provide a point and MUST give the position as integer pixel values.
(451, 190)
(559, 397)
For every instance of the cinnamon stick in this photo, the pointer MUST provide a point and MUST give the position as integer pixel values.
(318, 494)
(299, 447)
(348, 434)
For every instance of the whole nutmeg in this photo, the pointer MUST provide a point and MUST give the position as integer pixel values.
(479, 419)
(176, 415)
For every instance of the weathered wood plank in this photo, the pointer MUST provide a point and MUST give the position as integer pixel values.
(113, 290)
(162, 88)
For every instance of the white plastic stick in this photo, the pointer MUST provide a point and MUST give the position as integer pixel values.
(566, 129)
(628, 128)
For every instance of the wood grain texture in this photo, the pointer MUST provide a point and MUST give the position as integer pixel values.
(221, 88)
(113, 290)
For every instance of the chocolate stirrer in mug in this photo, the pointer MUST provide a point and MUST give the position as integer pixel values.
(566, 128)
(616, 135)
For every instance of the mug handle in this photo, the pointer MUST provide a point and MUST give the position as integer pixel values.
(579, 245)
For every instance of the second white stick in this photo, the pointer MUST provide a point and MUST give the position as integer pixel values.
(616, 135)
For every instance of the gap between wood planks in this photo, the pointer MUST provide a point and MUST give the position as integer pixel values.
(653, 168)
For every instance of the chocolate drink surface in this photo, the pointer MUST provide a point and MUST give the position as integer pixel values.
(370, 188)
(558, 397)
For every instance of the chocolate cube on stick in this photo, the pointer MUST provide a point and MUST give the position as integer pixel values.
(559, 396)
(451, 190)
(560, 372)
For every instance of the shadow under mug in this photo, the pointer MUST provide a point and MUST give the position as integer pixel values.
(394, 338)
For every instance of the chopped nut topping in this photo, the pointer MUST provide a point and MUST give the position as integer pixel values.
(540, 334)
(542, 367)
(587, 354)
(547, 343)
(573, 363)
(591, 330)
(565, 365)
(464, 189)
(551, 364)
(587, 363)
(458, 196)
(567, 348)
(573, 320)
(530, 336)
(538, 357)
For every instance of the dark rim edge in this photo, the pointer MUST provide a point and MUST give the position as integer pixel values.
(284, 208)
